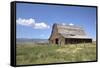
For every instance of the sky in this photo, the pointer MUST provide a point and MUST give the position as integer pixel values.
(36, 20)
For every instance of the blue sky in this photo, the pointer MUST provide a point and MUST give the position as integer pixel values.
(35, 20)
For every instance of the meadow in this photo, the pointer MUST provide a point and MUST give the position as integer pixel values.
(44, 54)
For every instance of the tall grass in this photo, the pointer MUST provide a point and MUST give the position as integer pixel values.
(42, 54)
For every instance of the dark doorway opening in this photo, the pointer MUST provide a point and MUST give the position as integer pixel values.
(56, 41)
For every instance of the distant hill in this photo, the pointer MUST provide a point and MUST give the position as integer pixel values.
(25, 40)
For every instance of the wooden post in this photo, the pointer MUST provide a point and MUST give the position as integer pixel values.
(84, 44)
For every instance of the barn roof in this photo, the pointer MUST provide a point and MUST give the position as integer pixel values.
(71, 31)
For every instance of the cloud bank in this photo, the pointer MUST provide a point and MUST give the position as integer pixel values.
(31, 22)
(71, 24)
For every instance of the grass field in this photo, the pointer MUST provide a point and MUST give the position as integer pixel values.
(43, 54)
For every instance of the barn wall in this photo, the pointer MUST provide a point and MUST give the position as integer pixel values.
(61, 40)
(75, 41)
(54, 35)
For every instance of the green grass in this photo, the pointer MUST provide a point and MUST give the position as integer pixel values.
(42, 54)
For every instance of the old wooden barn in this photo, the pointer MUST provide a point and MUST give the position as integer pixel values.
(67, 34)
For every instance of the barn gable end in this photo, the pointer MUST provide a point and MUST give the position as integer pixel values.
(54, 35)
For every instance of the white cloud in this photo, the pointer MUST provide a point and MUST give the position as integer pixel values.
(41, 25)
(25, 22)
(71, 24)
(31, 22)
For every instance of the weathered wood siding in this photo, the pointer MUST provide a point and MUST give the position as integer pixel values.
(54, 35)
